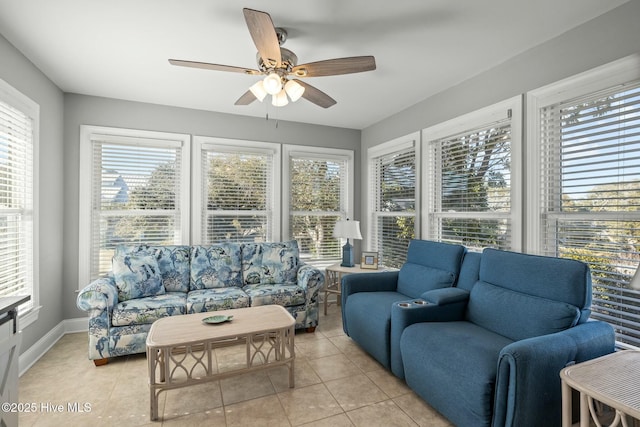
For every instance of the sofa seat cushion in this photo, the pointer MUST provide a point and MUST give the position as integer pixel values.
(284, 295)
(368, 315)
(453, 365)
(270, 263)
(142, 311)
(137, 275)
(216, 299)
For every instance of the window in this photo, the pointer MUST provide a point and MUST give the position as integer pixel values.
(319, 193)
(133, 189)
(392, 199)
(470, 188)
(18, 167)
(590, 177)
(235, 197)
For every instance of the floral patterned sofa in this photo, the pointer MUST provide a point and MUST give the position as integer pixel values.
(150, 282)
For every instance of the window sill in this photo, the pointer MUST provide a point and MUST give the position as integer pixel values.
(29, 317)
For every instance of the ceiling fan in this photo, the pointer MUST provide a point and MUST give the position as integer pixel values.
(280, 66)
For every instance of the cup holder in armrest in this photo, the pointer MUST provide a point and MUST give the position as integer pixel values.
(414, 303)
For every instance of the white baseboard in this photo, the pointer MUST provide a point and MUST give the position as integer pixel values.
(36, 351)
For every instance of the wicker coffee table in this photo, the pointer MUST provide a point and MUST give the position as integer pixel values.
(179, 348)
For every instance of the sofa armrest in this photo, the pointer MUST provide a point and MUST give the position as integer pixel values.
(438, 305)
(528, 377)
(444, 296)
(369, 282)
(98, 296)
(310, 278)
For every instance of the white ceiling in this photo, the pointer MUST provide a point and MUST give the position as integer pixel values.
(119, 48)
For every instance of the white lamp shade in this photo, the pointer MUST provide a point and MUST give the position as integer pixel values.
(279, 99)
(347, 230)
(294, 90)
(272, 84)
(258, 91)
(635, 281)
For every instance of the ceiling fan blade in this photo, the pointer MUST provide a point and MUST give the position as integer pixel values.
(216, 67)
(264, 36)
(315, 95)
(246, 99)
(334, 67)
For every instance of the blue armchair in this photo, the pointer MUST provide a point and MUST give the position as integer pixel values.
(367, 298)
(490, 355)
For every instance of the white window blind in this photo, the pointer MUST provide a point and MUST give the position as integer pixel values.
(469, 186)
(135, 196)
(16, 203)
(237, 192)
(318, 198)
(591, 197)
(393, 200)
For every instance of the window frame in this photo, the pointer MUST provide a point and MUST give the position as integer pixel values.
(201, 143)
(89, 133)
(321, 153)
(473, 120)
(389, 148)
(602, 78)
(28, 313)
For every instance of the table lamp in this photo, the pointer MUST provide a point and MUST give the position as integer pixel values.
(345, 229)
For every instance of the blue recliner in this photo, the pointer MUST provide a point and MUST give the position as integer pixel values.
(367, 298)
(493, 357)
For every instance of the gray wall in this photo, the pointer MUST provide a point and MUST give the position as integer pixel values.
(89, 110)
(16, 70)
(611, 36)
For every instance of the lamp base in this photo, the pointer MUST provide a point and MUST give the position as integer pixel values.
(347, 255)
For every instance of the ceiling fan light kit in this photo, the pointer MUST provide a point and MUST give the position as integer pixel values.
(258, 90)
(272, 84)
(294, 90)
(277, 63)
(279, 99)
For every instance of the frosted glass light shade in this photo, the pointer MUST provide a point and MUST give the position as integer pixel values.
(258, 91)
(294, 90)
(279, 99)
(272, 84)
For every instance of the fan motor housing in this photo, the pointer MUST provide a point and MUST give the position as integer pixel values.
(289, 60)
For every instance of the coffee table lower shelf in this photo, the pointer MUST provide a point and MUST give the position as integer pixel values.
(180, 348)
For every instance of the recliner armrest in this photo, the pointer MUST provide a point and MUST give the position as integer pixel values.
(446, 296)
(537, 362)
(369, 282)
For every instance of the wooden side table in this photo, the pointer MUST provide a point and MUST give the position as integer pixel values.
(613, 379)
(334, 275)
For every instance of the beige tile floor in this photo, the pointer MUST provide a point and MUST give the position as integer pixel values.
(337, 384)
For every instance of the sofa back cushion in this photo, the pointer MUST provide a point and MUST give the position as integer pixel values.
(557, 279)
(216, 266)
(469, 271)
(430, 265)
(173, 263)
(517, 315)
(270, 263)
(137, 276)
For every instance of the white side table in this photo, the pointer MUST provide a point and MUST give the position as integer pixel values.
(613, 379)
(335, 272)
